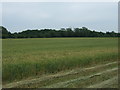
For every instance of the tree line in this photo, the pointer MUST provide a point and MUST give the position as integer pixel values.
(49, 33)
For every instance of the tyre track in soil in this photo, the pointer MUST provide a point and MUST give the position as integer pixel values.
(106, 83)
(58, 75)
(66, 83)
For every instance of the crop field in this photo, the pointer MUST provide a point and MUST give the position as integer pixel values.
(59, 62)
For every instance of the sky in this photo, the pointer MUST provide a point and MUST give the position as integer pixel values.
(98, 16)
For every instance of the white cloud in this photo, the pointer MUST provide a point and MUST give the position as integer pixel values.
(19, 16)
(59, 0)
(0, 14)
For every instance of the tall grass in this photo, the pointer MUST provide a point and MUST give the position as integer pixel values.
(23, 58)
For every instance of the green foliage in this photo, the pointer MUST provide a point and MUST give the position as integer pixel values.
(63, 32)
(4, 33)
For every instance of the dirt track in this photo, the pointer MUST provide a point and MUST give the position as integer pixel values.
(76, 77)
(65, 84)
(105, 84)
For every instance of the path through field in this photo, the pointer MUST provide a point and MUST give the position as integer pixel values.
(99, 76)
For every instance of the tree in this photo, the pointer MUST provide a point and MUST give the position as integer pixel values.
(4, 32)
(63, 32)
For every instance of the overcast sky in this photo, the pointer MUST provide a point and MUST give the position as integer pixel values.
(97, 16)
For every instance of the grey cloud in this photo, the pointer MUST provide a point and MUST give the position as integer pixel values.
(97, 16)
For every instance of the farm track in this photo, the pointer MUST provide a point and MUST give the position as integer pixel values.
(32, 82)
(106, 83)
(66, 83)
